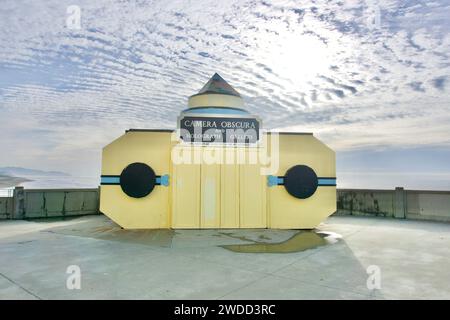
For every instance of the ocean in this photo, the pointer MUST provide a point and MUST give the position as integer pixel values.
(54, 182)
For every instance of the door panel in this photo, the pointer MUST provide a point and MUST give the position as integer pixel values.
(252, 193)
(186, 196)
(210, 196)
(229, 196)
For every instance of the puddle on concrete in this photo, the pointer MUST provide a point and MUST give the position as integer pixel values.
(263, 237)
(303, 240)
(232, 235)
(159, 237)
(263, 243)
(113, 232)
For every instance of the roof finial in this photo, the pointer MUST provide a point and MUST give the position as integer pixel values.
(219, 86)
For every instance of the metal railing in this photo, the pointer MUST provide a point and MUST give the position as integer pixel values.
(7, 192)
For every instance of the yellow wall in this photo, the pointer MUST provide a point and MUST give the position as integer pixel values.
(216, 100)
(216, 195)
(152, 148)
(288, 212)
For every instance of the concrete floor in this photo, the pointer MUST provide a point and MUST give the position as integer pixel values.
(413, 257)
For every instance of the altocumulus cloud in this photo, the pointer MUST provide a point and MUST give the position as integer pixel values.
(308, 66)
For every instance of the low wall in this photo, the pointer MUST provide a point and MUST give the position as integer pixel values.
(428, 205)
(398, 203)
(360, 202)
(41, 203)
(6, 207)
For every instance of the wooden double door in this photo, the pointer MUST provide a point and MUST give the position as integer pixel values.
(229, 194)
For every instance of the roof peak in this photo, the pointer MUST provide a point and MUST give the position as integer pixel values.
(217, 85)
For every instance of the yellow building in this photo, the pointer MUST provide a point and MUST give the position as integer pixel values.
(218, 169)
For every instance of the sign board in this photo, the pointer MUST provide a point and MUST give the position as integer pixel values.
(219, 130)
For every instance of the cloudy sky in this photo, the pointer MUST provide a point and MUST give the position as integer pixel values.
(370, 78)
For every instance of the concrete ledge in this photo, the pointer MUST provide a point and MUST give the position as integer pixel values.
(365, 202)
(399, 203)
(6, 207)
(44, 203)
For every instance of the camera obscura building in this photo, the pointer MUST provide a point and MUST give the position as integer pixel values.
(217, 169)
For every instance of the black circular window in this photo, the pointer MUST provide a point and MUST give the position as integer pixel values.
(300, 181)
(137, 180)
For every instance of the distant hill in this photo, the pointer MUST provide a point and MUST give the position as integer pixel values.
(26, 172)
(8, 182)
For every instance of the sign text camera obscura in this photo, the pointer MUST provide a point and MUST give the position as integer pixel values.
(220, 130)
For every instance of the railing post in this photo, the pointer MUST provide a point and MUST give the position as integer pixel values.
(400, 203)
(18, 203)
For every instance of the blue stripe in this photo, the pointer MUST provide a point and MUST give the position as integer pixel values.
(164, 180)
(110, 180)
(271, 180)
(215, 111)
(274, 180)
(327, 182)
